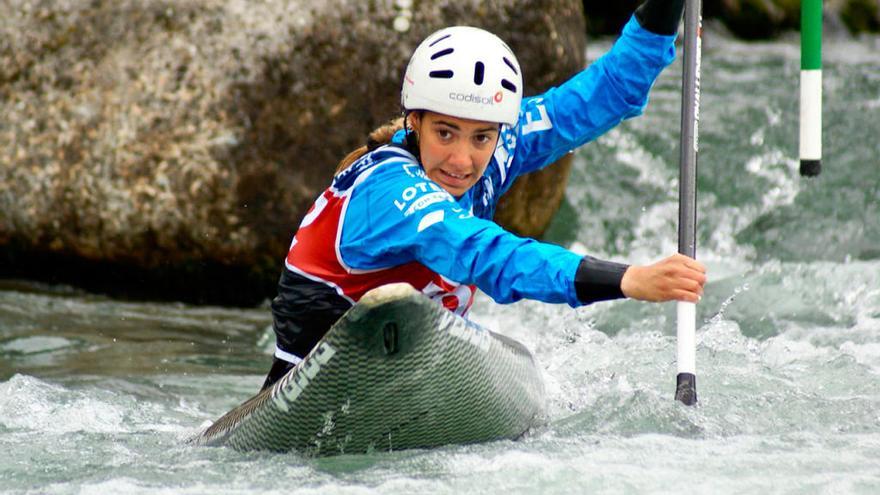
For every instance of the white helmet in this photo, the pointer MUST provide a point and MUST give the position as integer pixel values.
(464, 72)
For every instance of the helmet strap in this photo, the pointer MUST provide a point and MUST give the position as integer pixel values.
(411, 139)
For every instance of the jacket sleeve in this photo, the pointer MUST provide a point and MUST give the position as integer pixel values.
(398, 216)
(613, 88)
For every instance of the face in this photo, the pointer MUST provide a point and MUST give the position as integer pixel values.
(454, 151)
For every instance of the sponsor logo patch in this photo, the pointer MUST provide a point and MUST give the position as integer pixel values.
(475, 98)
(292, 385)
(425, 201)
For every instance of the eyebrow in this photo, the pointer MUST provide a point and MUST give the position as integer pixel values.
(457, 128)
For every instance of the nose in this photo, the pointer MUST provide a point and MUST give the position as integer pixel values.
(460, 157)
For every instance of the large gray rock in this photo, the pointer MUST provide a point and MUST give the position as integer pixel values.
(169, 149)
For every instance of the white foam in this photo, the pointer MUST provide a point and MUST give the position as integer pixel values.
(32, 404)
(867, 354)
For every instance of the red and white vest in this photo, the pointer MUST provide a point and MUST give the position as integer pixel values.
(314, 253)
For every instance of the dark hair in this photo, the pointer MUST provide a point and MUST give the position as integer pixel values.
(380, 136)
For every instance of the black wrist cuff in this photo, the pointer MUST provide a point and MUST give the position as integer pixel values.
(660, 16)
(598, 280)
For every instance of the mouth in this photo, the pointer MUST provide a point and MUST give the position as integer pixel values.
(454, 177)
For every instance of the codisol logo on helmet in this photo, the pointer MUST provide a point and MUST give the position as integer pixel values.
(473, 98)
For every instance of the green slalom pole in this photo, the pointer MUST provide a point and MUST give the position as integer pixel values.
(811, 88)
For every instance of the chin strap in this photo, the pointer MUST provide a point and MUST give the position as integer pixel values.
(411, 140)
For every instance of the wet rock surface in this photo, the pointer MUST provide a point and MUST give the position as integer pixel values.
(168, 150)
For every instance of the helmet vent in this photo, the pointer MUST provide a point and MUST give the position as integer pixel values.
(508, 85)
(479, 69)
(510, 64)
(441, 74)
(442, 53)
(438, 40)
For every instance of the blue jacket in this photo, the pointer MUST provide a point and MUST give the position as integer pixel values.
(397, 215)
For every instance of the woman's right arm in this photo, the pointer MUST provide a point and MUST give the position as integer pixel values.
(397, 216)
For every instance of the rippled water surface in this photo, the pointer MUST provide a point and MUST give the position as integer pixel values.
(96, 394)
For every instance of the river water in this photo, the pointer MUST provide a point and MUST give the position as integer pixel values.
(96, 395)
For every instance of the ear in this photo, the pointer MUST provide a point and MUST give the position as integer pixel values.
(415, 120)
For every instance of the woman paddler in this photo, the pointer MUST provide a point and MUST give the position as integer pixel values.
(416, 203)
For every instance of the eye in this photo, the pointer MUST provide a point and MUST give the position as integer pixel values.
(483, 139)
(444, 134)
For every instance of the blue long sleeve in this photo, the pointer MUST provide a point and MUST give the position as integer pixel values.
(398, 216)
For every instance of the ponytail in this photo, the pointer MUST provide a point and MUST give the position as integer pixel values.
(379, 136)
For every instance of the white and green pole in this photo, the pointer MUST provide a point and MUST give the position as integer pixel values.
(811, 88)
(686, 379)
